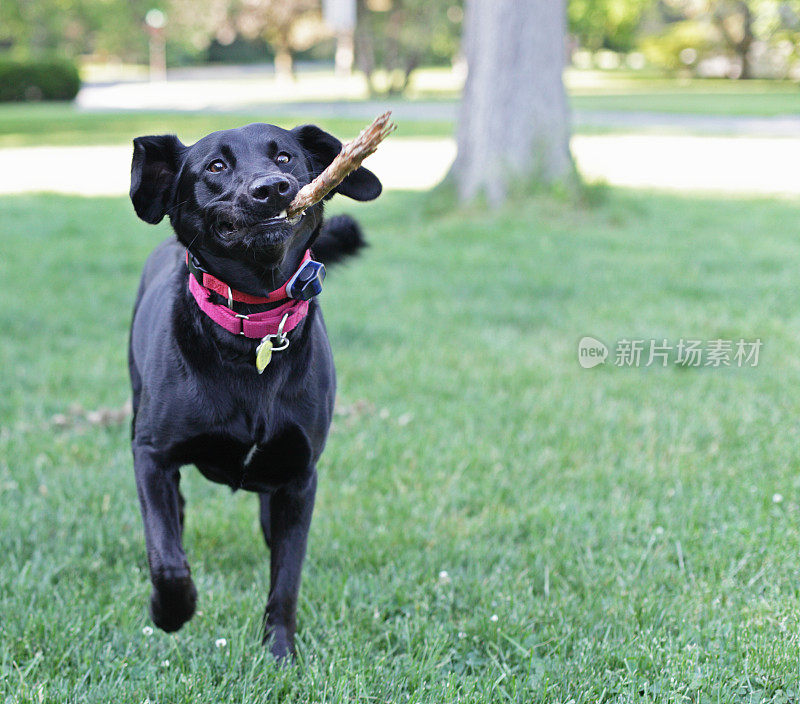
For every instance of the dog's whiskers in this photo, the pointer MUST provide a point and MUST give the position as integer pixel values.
(177, 205)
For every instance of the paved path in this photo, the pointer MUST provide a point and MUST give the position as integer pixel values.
(94, 171)
(318, 95)
(224, 98)
(716, 164)
(697, 153)
(726, 165)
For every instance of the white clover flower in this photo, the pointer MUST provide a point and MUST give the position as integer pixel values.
(221, 642)
(147, 631)
(494, 618)
(777, 498)
(165, 663)
(405, 419)
(444, 577)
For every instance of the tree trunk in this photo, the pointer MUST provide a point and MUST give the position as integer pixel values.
(741, 45)
(284, 63)
(747, 69)
(747, 42)
(514, 120)
(365, 46)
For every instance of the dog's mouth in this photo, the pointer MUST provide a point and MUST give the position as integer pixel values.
(272, 228)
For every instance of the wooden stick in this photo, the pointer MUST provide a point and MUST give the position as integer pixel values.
(345, 162)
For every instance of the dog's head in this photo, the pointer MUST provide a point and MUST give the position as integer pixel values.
(227, 194)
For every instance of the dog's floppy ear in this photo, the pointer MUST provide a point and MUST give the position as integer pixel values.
(153, 170)
(322, 149)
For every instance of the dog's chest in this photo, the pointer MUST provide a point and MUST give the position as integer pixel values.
(283, 457)
(243, 468)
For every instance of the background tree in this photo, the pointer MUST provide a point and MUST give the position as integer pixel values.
(397, 36)
(513, 123)
(73, 27)
(606, 24)
(734, 18)
(288, 25)
(707, 28)
(194, 24)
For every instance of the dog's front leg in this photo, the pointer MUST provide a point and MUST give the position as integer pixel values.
(290, 518)
(174, 596)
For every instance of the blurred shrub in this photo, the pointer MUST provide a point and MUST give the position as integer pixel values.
(683, 45)
(38, 80)
(240, 51)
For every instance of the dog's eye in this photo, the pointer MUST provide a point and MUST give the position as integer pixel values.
(283, 158)
(216, 166)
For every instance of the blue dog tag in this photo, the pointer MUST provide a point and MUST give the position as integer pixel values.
(307, 281)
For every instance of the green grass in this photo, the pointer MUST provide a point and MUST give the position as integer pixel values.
(619, 523)
(630, 92)
(749, 104)
(625, 91)
(58, 124)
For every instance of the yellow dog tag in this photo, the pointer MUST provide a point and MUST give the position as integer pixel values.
(263, 355)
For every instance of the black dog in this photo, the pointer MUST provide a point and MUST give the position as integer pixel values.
(197, 395)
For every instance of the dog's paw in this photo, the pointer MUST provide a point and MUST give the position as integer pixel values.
(172, 601)
(281, 644)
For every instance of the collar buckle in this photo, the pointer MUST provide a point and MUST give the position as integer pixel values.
(195, 268)
(241, 317)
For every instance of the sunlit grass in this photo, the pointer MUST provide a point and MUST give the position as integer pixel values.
(494, 522)
(58, 124)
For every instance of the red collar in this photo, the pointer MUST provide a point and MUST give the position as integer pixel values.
(254, 325)
(212, 283)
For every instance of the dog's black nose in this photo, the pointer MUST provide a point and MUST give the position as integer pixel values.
(276, 188)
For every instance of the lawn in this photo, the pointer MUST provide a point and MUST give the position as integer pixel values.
(494, 522)
(60, 124)
(744, 104)
(623, 91)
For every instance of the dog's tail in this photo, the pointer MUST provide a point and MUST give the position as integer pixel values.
(340, 238)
